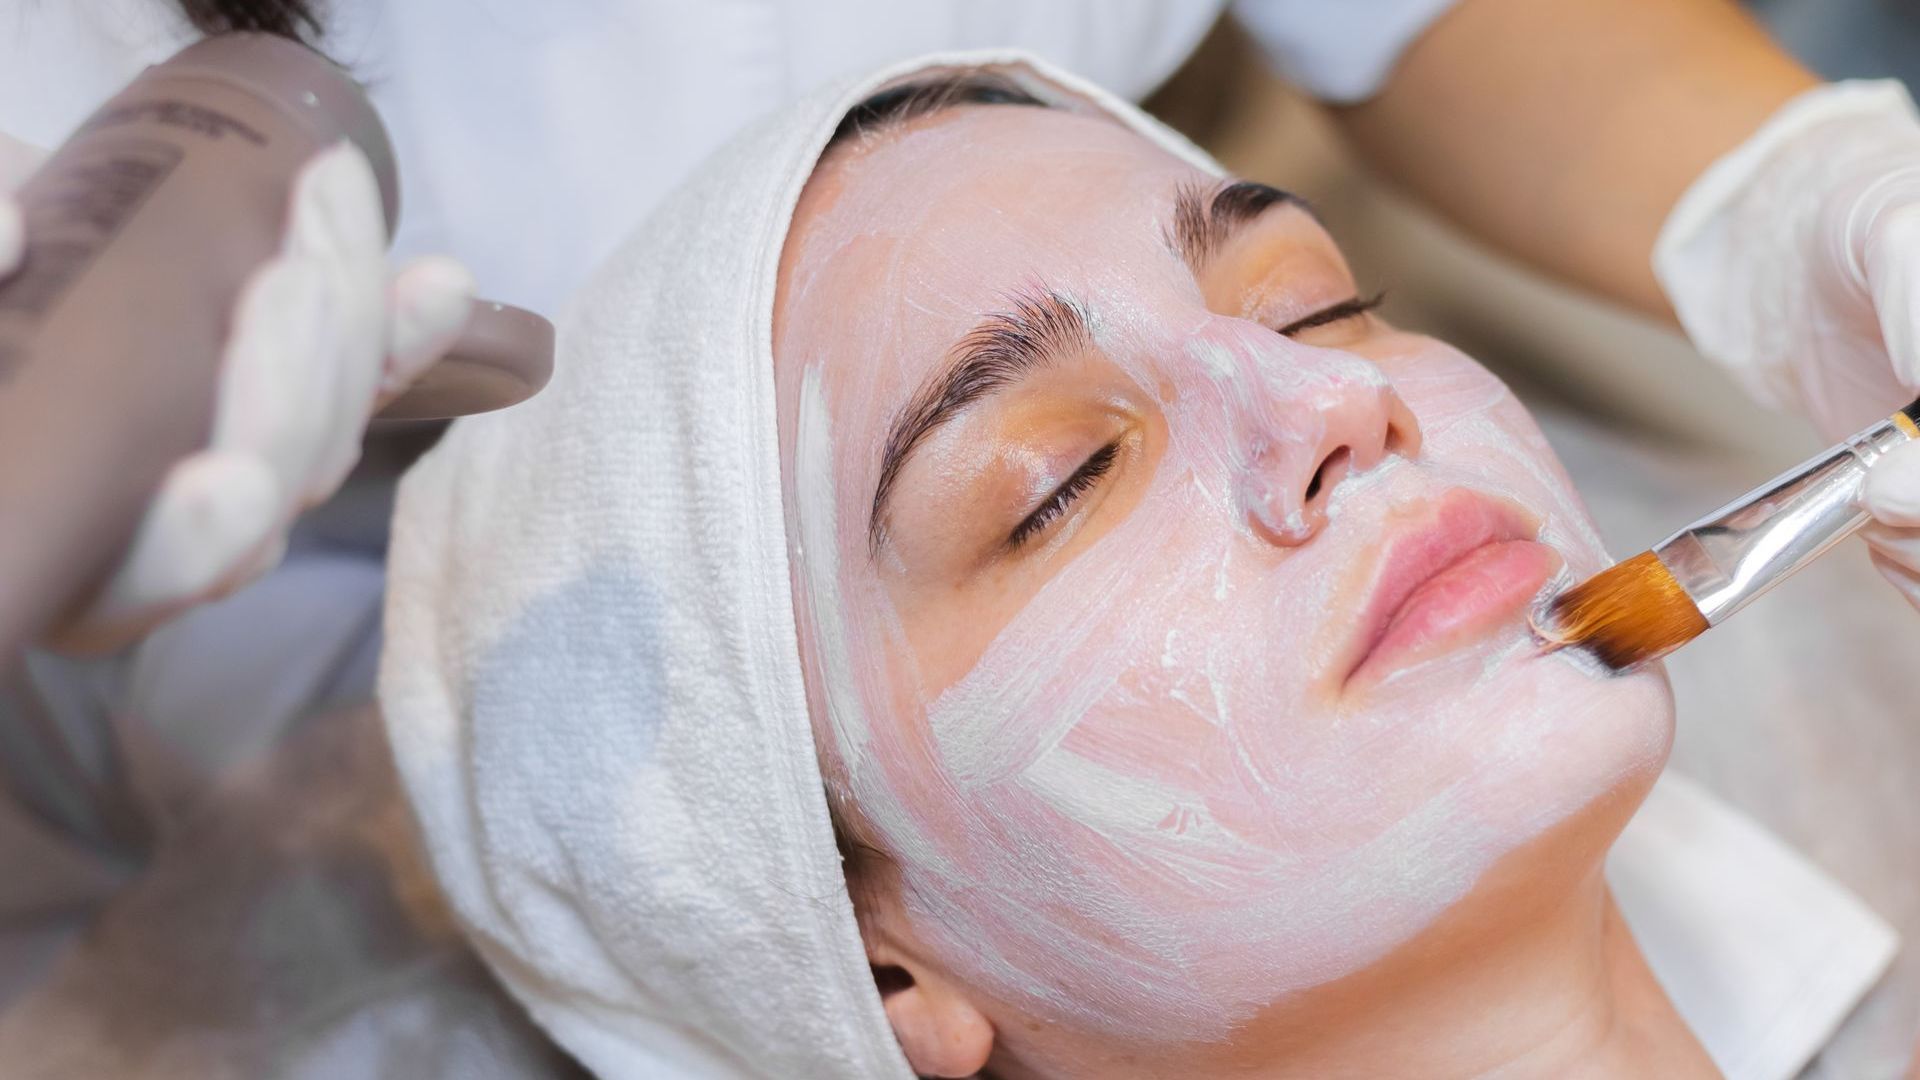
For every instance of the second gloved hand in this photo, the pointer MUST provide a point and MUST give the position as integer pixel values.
(321, 336)
(1794, 261)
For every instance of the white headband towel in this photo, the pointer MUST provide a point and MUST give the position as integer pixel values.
(592, 680)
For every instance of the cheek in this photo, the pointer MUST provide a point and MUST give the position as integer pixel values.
(1477, 432)
(1455, 399)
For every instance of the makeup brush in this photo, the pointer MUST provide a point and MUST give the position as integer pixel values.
(1657, 601)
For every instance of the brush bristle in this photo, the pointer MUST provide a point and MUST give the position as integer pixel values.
(1626, 615)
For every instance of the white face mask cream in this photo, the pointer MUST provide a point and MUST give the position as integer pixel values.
(1185, 665)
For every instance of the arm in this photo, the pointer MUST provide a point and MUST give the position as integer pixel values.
(1563, 131)
(1566, 131)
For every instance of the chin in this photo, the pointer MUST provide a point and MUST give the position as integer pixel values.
(1606, 736)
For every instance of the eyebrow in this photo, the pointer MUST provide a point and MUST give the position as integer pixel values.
(1206, 216)
(1039, 327)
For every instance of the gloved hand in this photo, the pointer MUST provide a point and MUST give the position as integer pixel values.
(321, 336)
(1794, 261)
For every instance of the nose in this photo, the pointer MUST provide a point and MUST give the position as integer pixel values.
(1339, 426)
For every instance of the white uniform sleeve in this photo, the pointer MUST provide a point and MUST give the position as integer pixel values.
(1340, 52)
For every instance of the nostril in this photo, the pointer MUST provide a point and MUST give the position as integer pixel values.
(1403, 430)
(1328, 474)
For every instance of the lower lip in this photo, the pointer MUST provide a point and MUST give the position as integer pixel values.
(1483, 589)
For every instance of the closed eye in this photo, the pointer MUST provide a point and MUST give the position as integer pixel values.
(1346, 309)
(1056, 504)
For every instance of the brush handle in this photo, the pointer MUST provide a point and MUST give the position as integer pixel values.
(1729, 558)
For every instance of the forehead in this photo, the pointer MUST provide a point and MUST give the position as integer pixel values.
(948, 215)
(902, 242)
(1007, 157)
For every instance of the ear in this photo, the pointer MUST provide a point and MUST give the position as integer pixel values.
(938, 1026)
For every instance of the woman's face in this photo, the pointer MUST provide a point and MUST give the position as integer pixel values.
(1164, 613)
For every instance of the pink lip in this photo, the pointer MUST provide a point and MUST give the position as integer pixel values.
(1464, 565)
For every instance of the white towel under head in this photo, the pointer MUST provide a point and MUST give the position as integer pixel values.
(592, 682)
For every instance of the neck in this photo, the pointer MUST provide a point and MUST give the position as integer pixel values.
(1568, 996)
(1565, 994)
(1518, 981)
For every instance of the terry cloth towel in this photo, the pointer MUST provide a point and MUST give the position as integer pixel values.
(592, 682)
(1763, 954)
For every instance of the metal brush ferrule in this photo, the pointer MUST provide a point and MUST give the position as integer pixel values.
(1734, 554)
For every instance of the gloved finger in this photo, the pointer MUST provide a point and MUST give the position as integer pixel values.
(198, 540)
(13, 236)
(1900, 577)
(1894, 545)
(430, 300)
(336, 211)
(1893, 272)
(18, 160)
(337, 219)
(1892, 491)
(275, 383)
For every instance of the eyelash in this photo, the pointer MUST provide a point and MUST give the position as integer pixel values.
(1345, 309)
(1083, 478)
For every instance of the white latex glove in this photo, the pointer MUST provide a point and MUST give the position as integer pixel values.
(321, 336)
(1794, 261)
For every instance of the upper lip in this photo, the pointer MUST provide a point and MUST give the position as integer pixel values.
(1441, 532)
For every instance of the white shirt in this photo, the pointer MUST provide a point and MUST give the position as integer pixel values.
(533, 134)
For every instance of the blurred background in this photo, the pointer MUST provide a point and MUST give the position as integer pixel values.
(1798, 712)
